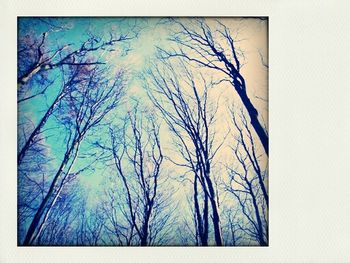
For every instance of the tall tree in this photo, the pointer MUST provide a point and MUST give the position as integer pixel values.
(82, 110)
(247, 143)
(247, 182)
(138, 158)
(184, 104)
(35, 59)
(36, 56)
(216, 49)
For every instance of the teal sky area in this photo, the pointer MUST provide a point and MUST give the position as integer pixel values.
(131, 56)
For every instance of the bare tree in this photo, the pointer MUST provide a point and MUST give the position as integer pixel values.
(81, 111)
(233, 233)
(189, 116)
(33, 178)
(119, 227)
(60, 223)
(216, 49)
(247, 182)
(33, 137)
(94, 169)
(246, 140)
(138, 160)
(34, 59)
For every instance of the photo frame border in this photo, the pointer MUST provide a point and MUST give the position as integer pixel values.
(309, 212)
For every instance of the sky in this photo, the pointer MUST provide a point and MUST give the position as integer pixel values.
(136, 57)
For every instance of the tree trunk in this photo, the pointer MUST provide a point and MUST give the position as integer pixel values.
(43, 206)
(36, 131)
(216, 217)
(144, 238)
(253, 113)
(262, 241)
(216, 223)
(206, 221)
(202, 237)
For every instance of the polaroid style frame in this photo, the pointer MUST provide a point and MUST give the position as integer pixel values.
(309, 131)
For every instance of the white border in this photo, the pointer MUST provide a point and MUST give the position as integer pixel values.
(309, 102)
